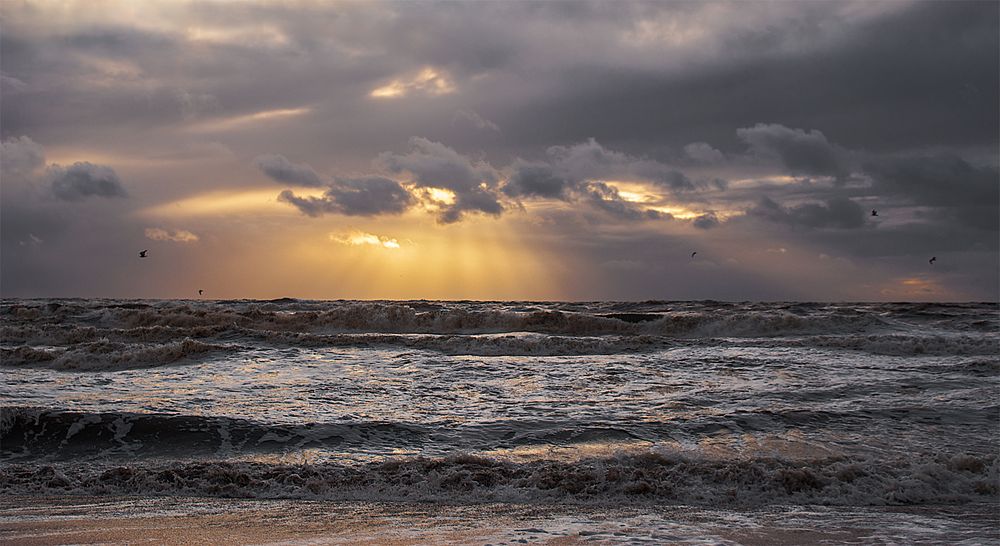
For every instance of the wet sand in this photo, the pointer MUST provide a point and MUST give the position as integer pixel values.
(123, 520)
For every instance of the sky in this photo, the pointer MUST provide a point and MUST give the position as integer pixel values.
(555, 150)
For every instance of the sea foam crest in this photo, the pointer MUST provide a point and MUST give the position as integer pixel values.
(109, 355)
(650, 477)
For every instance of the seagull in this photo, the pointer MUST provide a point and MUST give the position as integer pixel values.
(874, 212)
(142, 253)
(200, 291)
(693, 253)
(932, 260)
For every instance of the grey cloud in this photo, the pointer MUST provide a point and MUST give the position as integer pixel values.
(874, 86)
(434, 165)
(840, 213)
(606, 198)
(816, 65)
(706, 221)
(281, 169)
(20, 155)
(577, 173)
(963, 192)
(801, 152)
(590, 160)
(477, 121)
(886, 78)
(83, 180)
(701, 152)
(536, 179)
(668, 178)
(367, 196)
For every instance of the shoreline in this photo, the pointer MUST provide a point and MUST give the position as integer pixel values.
(47, 520)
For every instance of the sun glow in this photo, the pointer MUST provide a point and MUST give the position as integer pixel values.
(640, 193)
(481, 259)
(361, 238)
(429, 80)
(228, 202)
(410, 256)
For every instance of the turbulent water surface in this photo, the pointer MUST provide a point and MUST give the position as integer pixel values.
(732, 406)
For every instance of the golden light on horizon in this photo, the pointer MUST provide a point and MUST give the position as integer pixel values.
(482, 259)
(409, 256)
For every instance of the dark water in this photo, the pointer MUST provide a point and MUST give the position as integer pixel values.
(661, 403)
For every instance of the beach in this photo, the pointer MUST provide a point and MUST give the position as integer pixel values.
(182, 520)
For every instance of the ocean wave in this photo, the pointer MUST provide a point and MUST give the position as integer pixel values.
(412, 317)
(45, 434)
(661, 478)
(904, 345)
(31, 433)
(522, 344)
(104, 354)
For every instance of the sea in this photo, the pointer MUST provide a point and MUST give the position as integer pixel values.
(601, 422)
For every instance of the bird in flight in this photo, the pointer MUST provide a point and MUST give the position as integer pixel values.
(693, 253)
(932, 260)
(200, 291)
(874, 212)
(142, 253)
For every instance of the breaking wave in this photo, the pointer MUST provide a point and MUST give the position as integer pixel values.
(648, 477)
(331, 317)
(109, 355)
(904, 345)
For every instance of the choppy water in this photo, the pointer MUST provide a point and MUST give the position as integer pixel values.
(670, 403)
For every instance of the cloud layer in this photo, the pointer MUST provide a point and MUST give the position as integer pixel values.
(612, 136)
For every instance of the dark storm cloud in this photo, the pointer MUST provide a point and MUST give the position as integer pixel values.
(281, 169)
(706, 221)
(537, 179)
(870, 84)
(670, 179)
(702, 152)
(364, 196)
(368, 196)
(964, 192)
(801, 152)
(835, 66)
(840, 213)
(83, 180)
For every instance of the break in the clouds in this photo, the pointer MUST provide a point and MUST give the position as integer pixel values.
(569, 137)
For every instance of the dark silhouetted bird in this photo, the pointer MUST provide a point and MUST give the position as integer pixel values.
(874, 212)
(200, 291)
(932, 260)
(142, 253)
(693, 253)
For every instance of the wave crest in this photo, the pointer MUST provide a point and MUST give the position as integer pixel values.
(649, 477)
